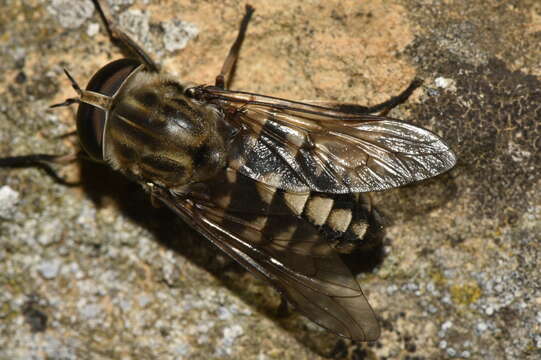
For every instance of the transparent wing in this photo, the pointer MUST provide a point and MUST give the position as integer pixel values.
(305, 147)
(287, 251)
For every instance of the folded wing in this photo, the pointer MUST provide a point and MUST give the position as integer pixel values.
(305, 147)
(283, 249)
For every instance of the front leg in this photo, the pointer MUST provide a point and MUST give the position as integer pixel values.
(119, 36)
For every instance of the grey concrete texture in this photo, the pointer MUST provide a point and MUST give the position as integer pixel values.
(93, 271)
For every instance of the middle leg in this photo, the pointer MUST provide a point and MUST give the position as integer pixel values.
(224, 78)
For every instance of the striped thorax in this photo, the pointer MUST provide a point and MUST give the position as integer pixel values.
(156, 134)
(145, 126)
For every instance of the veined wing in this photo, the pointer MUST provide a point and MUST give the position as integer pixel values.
(300, 147)
(284, 249)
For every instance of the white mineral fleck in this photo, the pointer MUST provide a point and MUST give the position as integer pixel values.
(49, 269)
(443, 83)
(446, 325)
(92, 29)
(8, 201)
(482, 327)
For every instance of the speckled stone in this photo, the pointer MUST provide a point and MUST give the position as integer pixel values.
(116, 279)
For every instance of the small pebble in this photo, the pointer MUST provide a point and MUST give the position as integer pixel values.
(49, 269)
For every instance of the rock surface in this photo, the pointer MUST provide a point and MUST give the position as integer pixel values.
(93, 271)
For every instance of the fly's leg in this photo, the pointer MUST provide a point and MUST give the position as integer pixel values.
(283, 309)
(42, 161)
(224, 78)
(382, 108)
(120, 37)
(386, 106)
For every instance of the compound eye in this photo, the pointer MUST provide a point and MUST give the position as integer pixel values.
(90, 119)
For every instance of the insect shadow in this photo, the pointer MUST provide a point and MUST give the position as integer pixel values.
(99, 183)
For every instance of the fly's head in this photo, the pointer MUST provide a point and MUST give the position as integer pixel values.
(146, 125)
(95, 103)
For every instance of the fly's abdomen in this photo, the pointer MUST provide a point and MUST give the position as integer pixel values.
(345, 220)
(156, 134)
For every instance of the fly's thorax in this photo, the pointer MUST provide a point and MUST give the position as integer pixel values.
(156, 134)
